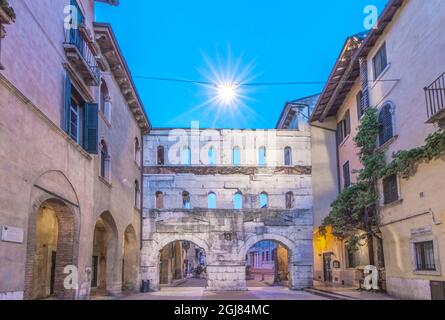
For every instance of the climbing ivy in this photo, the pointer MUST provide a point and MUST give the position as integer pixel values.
(356, 208)
(406, 162)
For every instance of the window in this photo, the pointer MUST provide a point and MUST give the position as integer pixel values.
(104, 161)
(262, 157)
(346, 175)
(105, 101)
(137, 151)
(360, 104)
(160, 155)
(238, 201)
(159, 200)
(236, 156)
(287, 156)
(263, 200)
(289, 200)
(80, 119)
(212, 156)
(386, 131)
(344, 128)
(186, 156)
(390, 189)
(137, 194)
(425, 256)
(186, 200)
(352, 261)
(380, 61)
(211, 200)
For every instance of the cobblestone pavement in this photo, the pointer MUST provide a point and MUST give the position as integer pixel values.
(193, 289)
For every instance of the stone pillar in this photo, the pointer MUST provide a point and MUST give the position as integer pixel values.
(302, 265)
(226, 278)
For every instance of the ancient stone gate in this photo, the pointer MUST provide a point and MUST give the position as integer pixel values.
(226, 236)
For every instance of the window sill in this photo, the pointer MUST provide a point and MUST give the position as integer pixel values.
(392, 204)
(381, 75)
(386, 145)
(427, 273)
(105, 182)
(344, 141)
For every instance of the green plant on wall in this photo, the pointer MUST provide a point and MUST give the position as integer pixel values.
(4, 4)
(354, 214)
(355, 208)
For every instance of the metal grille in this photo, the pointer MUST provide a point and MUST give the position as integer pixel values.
(435, 96)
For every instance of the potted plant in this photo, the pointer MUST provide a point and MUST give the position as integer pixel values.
(7, 14)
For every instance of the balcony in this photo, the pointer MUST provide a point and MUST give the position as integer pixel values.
(435, 100)
(78, 51)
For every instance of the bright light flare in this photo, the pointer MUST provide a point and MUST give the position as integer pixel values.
(227, 93)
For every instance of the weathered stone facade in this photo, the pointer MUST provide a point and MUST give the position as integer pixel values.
(224, 233)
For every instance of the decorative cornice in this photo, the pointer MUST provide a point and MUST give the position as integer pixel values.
(227, 170)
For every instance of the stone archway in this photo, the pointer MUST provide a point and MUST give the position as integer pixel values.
(105, 264)
(130, 260)
(52, 239)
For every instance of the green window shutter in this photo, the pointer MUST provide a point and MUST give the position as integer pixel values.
(91, 128)
(66, 105)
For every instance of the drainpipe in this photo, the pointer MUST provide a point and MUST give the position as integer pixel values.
(141, 161)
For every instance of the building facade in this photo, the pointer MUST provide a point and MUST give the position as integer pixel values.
(225, 191)
(70, 156)
(395, 67)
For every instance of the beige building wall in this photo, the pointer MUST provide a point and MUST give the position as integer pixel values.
(40, 164)
(415, 49)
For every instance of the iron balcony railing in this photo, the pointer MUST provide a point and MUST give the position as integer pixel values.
(435, 98)
(77, 39)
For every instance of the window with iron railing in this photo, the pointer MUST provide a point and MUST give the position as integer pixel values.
(435, 97)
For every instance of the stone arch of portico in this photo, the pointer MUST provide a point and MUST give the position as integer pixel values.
(250, 242)
(191, 238)
(54, 189)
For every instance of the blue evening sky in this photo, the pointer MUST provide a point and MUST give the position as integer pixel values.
(272, 41)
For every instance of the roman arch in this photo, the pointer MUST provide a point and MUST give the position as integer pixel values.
(226, 236)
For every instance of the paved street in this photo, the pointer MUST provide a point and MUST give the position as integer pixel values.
(193, 289)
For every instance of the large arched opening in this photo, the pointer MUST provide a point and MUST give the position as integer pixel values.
(104, 260)
(268, 264)
(51, 248)
(130, 260)
(182, 263)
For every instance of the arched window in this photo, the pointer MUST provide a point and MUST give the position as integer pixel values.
(238, 201)
(104, 161)
(263, 200)
(287, 156)
(137, 151)
(262, 157)
(212, 156)
(137, 194)
(289, 200)
(236, 156)
(186, 200)
(186, 156)
(159, 200)
(105, 101)
(160, 156)
(386, 130)
(211, 200)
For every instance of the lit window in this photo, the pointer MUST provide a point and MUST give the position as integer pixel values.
(262, 157)
(211, 199)
(236, 156)
(238, 201)
(186, 156)
(186, 200)
(212, 156)
(263, 200)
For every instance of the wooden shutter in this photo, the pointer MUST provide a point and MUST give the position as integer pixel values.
(390, 190)
(66, 105)
(347, 123)
(91, 128)
(386, 128)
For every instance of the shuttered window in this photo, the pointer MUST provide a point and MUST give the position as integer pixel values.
(344, 128)
(386, 131)
(380, 61)
(360, 104)
(390, 189)
(346, 175)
